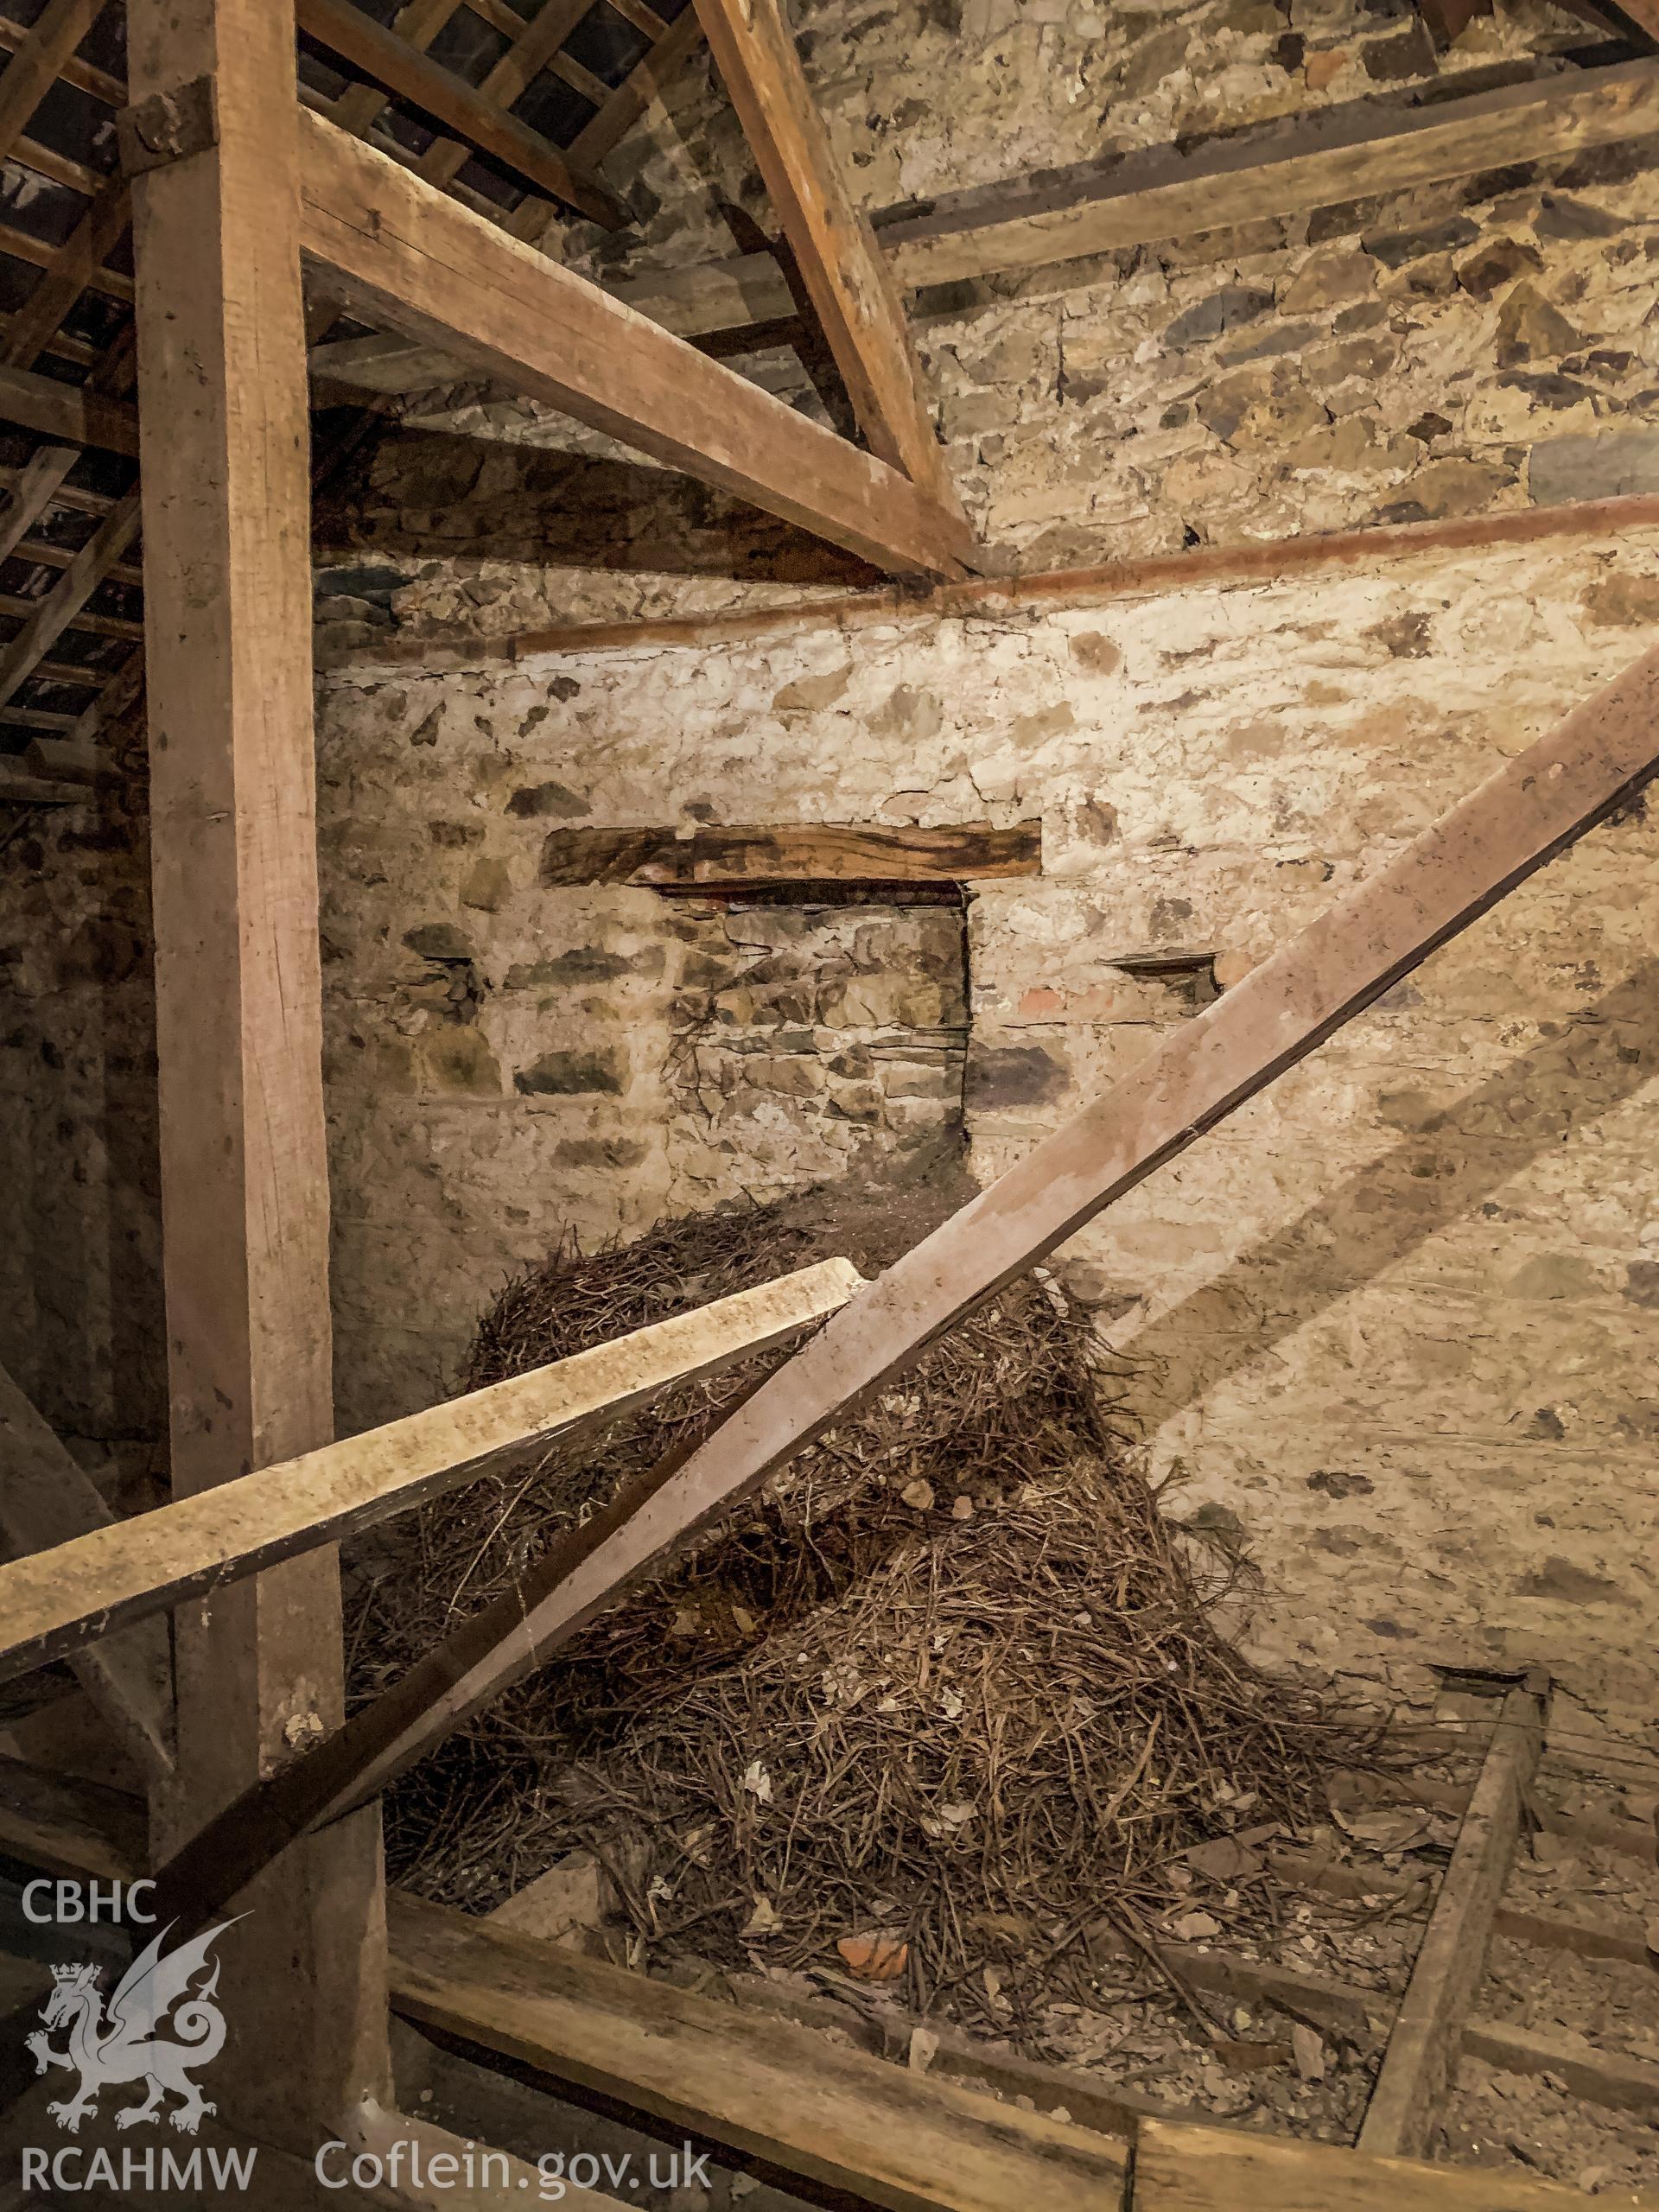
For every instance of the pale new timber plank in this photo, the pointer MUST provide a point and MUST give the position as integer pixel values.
(849, 281)
(47, 1499)
(765, 2088)
(1183, 2168)
(56, 1602)
(402, 254)
(1408, 2097)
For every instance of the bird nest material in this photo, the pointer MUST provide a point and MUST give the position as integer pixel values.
(952, 1692)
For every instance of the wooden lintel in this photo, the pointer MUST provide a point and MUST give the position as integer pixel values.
(56, 1602)
(402, 254)
(1408, 2097)
(796, 852)
(835, 250)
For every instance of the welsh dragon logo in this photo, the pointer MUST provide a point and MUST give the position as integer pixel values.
(109, 2049)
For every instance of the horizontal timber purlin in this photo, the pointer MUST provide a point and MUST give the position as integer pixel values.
(1358, 150)
(1261, 561)
(1530, 809)
(1364, 149)
(398, 251)
(54, 1603)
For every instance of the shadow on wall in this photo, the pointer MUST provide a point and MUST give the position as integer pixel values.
(82, 1173)
(437, 494)
(1454, 1159)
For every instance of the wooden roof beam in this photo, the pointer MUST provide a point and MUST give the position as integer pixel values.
(403, 255)
(1286, 169)
(841, 264)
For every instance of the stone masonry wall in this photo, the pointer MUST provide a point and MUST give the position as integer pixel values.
(1473, 347)
(1393, 1324)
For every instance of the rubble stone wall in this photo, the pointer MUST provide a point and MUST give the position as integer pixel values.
(1392, 1324)
(1478, 346)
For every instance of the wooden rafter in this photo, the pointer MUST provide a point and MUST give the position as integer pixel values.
(40, 56)
(74, 268)
(38, 485)
(637, 91)
(402, 254)
(537, 44)
(835, 250)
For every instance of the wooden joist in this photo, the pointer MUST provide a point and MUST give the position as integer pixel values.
(393, 62)
(57, 1601)
(839, 852)
(401, 253)
(849, 283)
(1419, 2065)
(836, 2118)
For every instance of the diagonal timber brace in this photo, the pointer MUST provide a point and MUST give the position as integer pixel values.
(1520, 819)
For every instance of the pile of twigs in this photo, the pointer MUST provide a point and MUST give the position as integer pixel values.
(955, 1682)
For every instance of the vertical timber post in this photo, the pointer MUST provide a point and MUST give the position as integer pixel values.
(223, 438)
